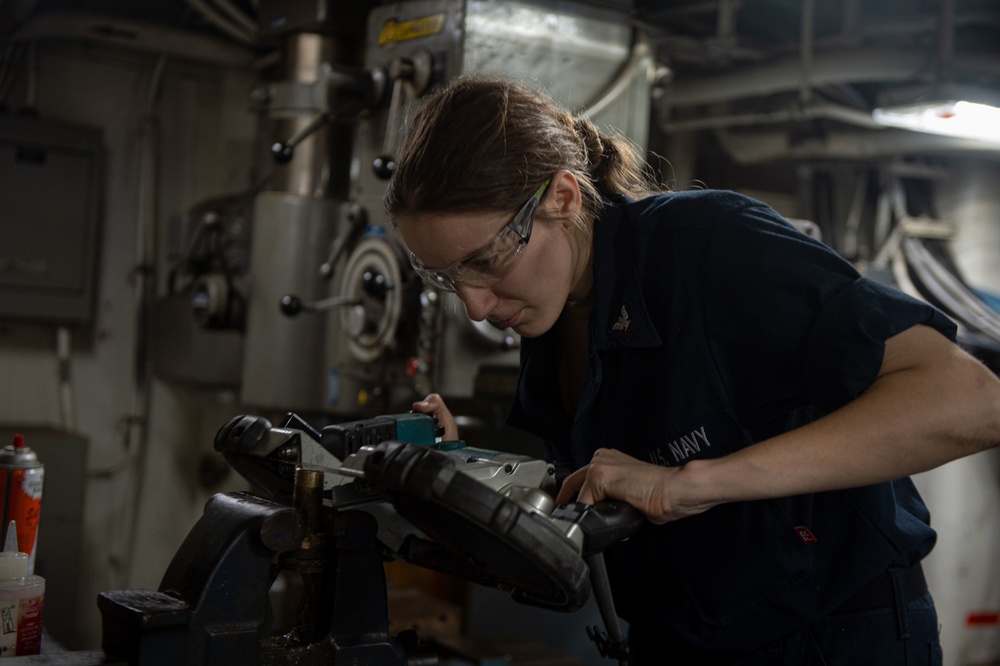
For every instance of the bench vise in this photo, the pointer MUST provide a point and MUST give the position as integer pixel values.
(331, 506)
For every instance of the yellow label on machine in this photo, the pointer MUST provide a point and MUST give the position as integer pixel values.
(394, 31)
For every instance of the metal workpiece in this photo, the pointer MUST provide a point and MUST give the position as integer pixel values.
(307, 496)
(308, 488)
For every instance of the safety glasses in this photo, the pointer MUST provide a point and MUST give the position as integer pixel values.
(490, 264)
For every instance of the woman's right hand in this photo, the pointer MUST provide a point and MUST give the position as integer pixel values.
(434, 404)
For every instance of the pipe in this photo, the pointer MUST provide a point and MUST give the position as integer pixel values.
(929, 24)
(725, 30)
(145, 291)
(886, 237)
(209, 13)
(795, 114)
(852, 225)
(63, 347)
(876, 65)
(31, 89)
(806, 43)
(234, 12)
(640, 54)
(753, 147)
(7, 62)
(946, 34)
(850, 23)
(136, 423)
(951, 290)
(122, 33)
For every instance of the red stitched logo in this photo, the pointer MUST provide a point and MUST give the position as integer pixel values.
(805, 534)
(983, 619)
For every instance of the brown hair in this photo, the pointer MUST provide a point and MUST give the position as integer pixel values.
(485, 144)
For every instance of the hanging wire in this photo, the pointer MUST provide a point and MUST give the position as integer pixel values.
(934, 280)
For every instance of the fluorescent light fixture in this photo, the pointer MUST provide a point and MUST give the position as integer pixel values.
(966, 120)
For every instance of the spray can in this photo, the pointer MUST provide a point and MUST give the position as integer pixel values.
(22, 601)
(21, 477)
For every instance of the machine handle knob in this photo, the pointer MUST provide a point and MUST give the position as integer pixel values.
(375, 284)
(384, 166)
(291, 305)
(385, 163)
(284, 151)
(415, 70)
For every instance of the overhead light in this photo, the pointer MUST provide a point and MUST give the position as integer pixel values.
(966, 120)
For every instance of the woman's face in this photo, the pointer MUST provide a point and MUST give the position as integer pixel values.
(531, 296)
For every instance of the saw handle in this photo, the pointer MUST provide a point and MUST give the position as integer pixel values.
(602, 524)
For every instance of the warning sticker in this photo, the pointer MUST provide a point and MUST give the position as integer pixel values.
(394, 31)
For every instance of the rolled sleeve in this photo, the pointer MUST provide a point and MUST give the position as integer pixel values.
(844, 350)
(795, 324)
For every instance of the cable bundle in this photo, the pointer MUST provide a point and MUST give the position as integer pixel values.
(925, 268)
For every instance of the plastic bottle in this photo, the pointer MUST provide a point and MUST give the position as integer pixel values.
(22, 598)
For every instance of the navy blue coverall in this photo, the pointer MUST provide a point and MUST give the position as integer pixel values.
(717, 324)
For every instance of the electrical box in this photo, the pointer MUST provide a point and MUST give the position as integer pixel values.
(50, 184)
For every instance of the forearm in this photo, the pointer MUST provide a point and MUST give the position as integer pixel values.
(931, 403)
(913, 418)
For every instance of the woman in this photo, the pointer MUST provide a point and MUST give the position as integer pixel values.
(694, 355)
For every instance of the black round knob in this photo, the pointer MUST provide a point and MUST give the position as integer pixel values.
(384, 166)
(282, 153)
(291, 305)
(375, 284)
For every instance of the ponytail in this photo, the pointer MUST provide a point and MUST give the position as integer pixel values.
(613, 162)
(486, 143)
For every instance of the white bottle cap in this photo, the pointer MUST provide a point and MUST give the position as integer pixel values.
(10, 545)
(13, 565)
